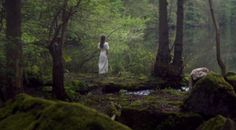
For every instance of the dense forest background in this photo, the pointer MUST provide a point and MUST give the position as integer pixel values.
(132, 29)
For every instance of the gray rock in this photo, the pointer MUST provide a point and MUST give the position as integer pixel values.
(197, 74)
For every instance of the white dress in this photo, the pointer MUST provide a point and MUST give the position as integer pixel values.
(103, 59)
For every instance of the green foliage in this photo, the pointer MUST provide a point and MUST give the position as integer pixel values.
(72, 3)
(196, 13)
(124, 32)
(131, 27)
(67, 58)
(73, 87)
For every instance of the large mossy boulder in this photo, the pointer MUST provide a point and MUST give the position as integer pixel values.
(29, 113)
(218, 123)
(212, 95)
(155, 120)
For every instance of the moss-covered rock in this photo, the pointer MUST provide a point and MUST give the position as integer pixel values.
(28, 113)
(154, 120)
(211, 96)
(113, 83)
(231, 78)
(218, 123)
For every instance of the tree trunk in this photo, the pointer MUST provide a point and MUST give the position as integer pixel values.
(218, 40)
(177, 64)
(14, 56)
(56, 51)
(163, 58)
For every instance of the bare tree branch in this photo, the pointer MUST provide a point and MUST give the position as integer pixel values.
(65, 14)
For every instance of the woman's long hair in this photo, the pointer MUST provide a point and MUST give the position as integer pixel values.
(102, 41)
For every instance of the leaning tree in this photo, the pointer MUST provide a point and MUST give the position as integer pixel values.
(218, 40)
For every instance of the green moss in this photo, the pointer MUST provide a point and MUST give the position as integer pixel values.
(151, 102)
(185, 80)
(231, 75)
(231, 78)
(29, 113)
(111, 83)
(162, 100)
(212, 95)
(174, 92)
(216, 123)
(212, 82)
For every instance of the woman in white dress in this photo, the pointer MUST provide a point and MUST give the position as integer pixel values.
(103, 58)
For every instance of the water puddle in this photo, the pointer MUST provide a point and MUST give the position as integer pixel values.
(138, 93)
(148, 92)
(184, 88)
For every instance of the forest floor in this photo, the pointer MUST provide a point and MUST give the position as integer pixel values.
(166, 100)
(111, 93)
(141, 102)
